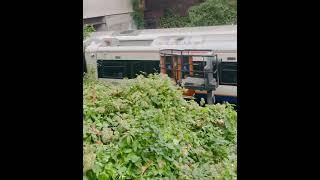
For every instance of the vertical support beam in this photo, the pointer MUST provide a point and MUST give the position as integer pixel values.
(173, 67)
(179, 73)
(162, 65)
(210, 97)
(191, 65)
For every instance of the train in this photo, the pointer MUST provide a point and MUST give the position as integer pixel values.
(115, 55)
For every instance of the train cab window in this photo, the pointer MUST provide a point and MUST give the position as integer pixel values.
(168, 64)
(198, 67)
(185, 66)
(228, 73)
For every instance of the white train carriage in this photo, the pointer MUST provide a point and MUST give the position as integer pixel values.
(118, 55)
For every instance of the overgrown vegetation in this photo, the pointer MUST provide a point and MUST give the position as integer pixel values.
(137, 14)
(171, 20)
(87, 30)
(208, 13)
(144, 129)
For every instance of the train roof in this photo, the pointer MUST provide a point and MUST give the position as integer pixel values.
(223, 42)
(211, 37)
(154, 33)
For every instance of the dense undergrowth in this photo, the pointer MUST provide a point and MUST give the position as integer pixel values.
(144, 129)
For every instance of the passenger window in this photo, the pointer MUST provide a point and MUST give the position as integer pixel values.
(228, 73)
(168, 64)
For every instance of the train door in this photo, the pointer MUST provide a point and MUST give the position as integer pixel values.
(182, 64)
(191, 66)
(175, 65)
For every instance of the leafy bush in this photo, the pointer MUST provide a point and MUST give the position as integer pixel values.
(87, 30)
(144, 129)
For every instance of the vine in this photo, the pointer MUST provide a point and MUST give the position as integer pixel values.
(137, 14)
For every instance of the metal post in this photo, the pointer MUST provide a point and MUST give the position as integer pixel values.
(209, 97)
(213, 97)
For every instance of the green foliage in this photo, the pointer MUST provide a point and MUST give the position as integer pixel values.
(87, 30)
(171, 20)
(137, 14)
(144, 129)
(212, 12)
(208, 13)
(138, 18)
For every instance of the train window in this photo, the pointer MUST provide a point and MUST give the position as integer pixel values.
(185, 59)
(231, 58)
(111, 69)
(116, 69)
(168, 64)
(185, 66)
(198, 67)
(228, 73)
(136, 68)
(152, 67)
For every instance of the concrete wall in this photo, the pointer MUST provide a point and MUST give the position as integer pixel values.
(120, 22)
(116, 22)
(108, 15)
(96, 8)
